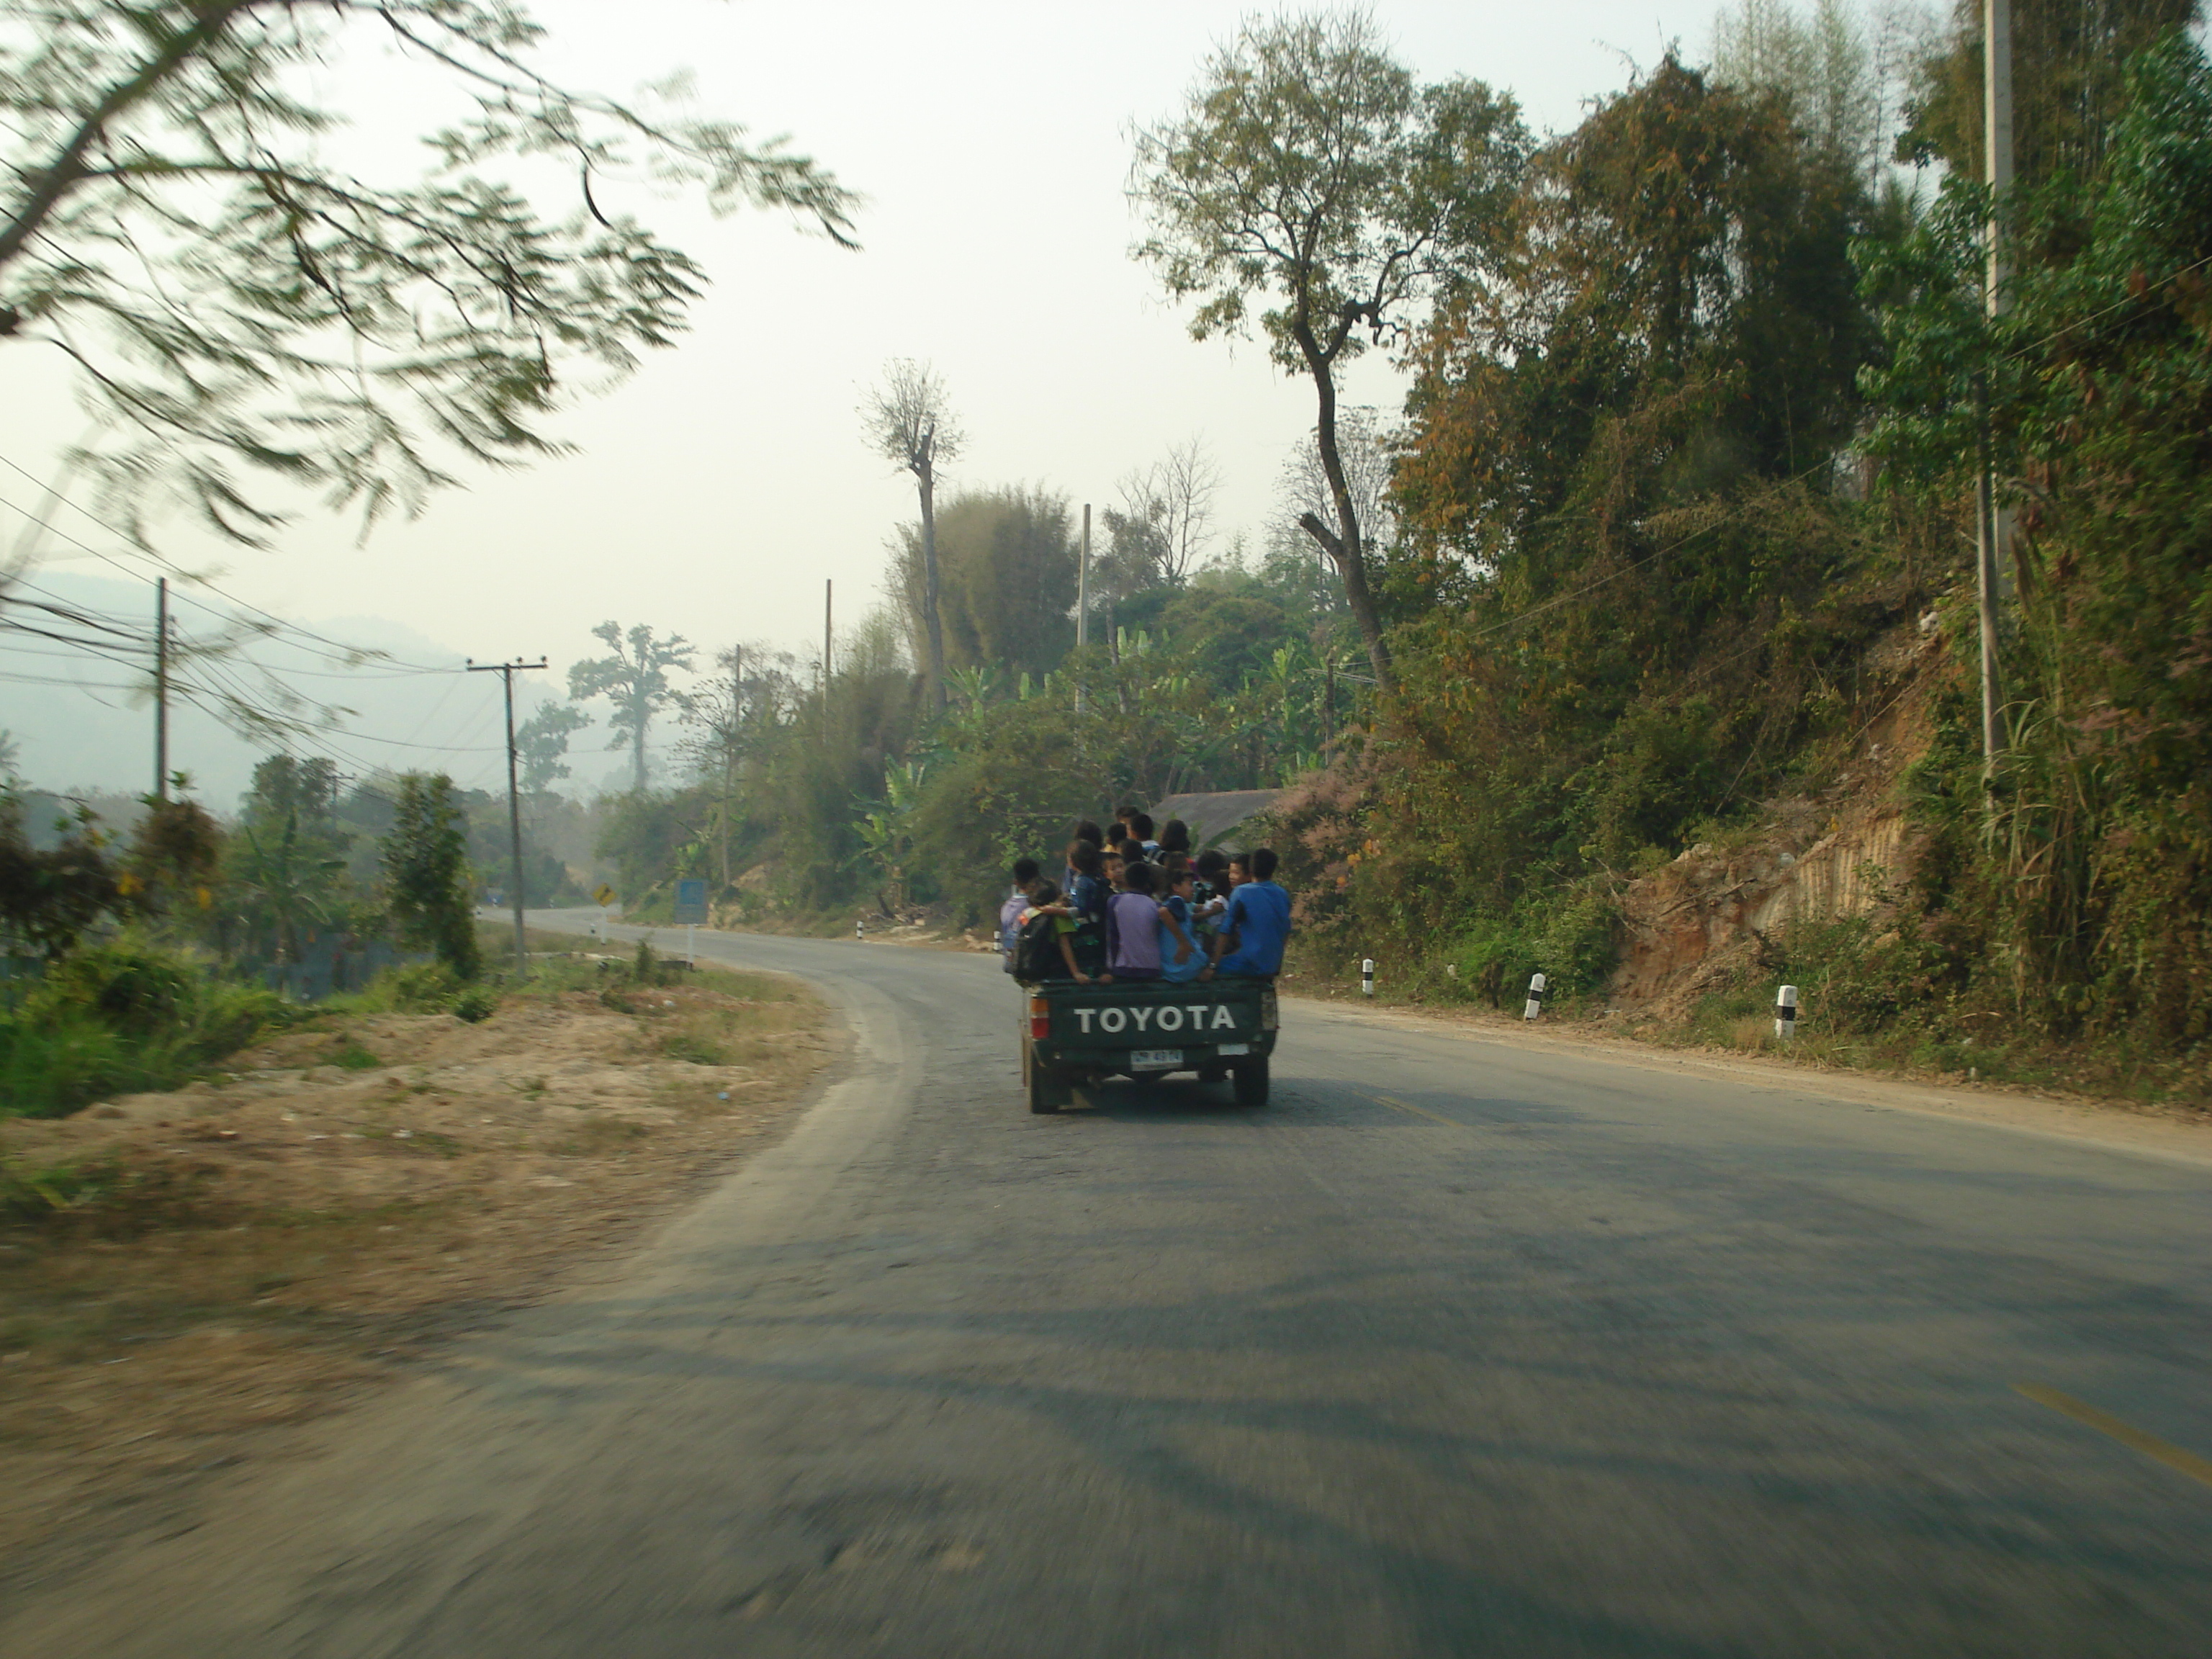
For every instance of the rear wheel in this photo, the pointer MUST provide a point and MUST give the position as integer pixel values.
(1047, 1092)
(1250, 1080)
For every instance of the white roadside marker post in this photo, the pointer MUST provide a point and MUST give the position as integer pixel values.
(1785, 1014)
(861, 929)
(1367, 977)
(1536, 986)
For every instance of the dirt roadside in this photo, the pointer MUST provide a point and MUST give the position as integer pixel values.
(233, 1260)
(2167, 1131)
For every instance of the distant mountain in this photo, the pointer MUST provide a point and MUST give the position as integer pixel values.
(84, 723)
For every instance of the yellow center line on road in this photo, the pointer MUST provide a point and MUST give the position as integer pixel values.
(2188, 1463)
(1433, 1117)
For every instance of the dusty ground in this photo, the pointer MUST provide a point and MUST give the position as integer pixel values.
(262, 1249)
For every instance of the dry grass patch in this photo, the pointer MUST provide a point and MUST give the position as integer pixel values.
(177, 1269)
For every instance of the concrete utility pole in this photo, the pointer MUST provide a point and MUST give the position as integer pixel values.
(1083, 585)
(1083, 598)
(161, 688)
(1993, 524)
(730, 750)
(507, 672)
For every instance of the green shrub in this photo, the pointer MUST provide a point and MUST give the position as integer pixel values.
(1494, 959)
(416, 988)
(29, 1196)
(475, 1003)
(128, 985)
(125, 1017)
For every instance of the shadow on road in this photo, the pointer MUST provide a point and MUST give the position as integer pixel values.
(1154, 1099)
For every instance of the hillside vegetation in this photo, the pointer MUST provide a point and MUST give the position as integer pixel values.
(1661, 585)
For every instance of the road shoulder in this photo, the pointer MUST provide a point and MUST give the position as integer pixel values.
(2172, 1136)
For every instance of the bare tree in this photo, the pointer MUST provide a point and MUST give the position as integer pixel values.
(1365, 450)
(1167, 510)
(908, 421)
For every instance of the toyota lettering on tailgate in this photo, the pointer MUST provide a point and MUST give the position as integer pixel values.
(1164, 1016)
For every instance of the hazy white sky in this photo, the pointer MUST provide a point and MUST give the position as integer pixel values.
(714, 492)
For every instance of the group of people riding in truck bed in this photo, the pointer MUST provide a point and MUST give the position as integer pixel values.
(1131, 907)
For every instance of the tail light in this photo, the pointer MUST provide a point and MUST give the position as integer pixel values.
(1267, 1009)
(1039, 1018)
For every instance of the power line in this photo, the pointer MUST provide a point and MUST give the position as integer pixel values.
(171, 566)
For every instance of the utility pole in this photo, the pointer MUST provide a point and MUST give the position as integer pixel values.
(506, 671)
(827, 593)
(162, 688)
(730, 750)
(1993, 524)
(1083, 585)
(1083, 600)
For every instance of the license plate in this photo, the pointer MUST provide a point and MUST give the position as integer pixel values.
(1155, 1059)
(1234, 1048)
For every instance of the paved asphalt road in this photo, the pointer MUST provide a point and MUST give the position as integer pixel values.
(1455, 1348)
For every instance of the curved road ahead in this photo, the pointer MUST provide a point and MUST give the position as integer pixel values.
(1457, 1347)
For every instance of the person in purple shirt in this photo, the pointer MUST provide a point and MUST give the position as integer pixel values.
(1132, 927)
(1256, 925)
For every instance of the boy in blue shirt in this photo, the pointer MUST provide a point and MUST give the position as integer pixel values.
(1256, 925)
(1010, 913)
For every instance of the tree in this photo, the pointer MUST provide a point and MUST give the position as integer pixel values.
(1675, 320)
(541, 743)
(635, 678)
(426, 872)
(285, 786)
(1308, 168)
(909, 423)
(288, 877)
(1007, 575)
(2069, 61)
(1843, 72)
(50, 896)
(729, 718)
(1167, 511)
(238, 305)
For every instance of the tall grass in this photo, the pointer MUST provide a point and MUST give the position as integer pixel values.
(122, 1018)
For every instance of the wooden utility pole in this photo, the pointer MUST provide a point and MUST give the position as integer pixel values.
(161, 688)
(1993, 524)
(507, 672)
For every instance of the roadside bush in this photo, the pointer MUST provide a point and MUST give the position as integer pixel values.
(123, 1017)
(1492, 956)
(127, 985)
(475, 1004)
(416, 988)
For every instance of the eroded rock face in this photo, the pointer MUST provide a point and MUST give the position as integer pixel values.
(1693, 924)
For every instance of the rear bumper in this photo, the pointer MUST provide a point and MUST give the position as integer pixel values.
(1120, 1061)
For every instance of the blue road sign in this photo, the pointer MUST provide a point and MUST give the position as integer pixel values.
(691, 901)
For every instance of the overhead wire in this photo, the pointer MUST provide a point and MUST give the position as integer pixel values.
(171, 567)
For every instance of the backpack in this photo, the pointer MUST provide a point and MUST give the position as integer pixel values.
(1036, 951)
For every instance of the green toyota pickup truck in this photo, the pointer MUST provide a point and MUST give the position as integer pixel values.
(1075, 1034)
